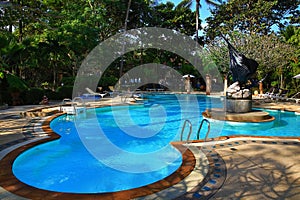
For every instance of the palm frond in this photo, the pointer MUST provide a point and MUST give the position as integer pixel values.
(213, 3)
(185, 4)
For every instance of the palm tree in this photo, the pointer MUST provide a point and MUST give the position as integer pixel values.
(198, 6)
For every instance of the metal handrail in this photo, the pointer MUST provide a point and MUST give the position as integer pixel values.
(124, 99)
(78, 98)
(183, 127)
(75, 105)
(208, 129)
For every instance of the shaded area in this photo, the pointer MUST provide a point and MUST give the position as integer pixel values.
(261, 171)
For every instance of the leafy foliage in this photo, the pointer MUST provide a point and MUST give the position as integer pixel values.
(257, 16)
(16, 83)
(41, 41)
(34, 96)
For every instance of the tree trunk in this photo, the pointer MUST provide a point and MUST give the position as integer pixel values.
(54, 76)
(125, 29)
(197, 19)
(21, 24)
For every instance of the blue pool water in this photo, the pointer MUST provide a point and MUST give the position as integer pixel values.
(123, 147)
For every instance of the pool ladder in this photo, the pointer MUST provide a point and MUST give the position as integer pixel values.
(73, 104)
(199, 129)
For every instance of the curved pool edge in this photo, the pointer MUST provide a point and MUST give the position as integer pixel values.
(11, 184)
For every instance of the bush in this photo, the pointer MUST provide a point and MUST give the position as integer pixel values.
(68, 81)
(15, 83)
(5, 97)
(107, 81)
(52, 95)
(34, 96)
(65, 92)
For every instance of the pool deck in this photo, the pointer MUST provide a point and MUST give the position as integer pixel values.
(253, 168)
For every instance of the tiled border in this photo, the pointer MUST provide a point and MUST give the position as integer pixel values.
(213, 180)
(10, 183)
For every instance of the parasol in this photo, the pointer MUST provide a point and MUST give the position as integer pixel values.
(191, 76)
(297, 76)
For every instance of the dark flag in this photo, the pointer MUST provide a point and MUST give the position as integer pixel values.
(241, 67)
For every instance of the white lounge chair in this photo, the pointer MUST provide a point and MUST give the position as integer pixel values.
(113, 92)
(282, 95)
(295, 98)
(95, 93)
(270, 94)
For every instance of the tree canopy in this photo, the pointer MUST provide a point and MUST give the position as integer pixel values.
(49, 39)
(255, 16)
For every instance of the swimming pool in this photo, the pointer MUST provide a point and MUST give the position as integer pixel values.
(111, 146)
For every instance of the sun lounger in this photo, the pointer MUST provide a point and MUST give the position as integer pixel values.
(282, 95)
(91, 92)
(295, 98)
(113, 92)
(270, 94)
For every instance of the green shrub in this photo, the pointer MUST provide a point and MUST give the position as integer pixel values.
(107, 81)
(5, 97)
(52, 95)
(65, 92)
(34, 95)
(68, 81)
(15, 83)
